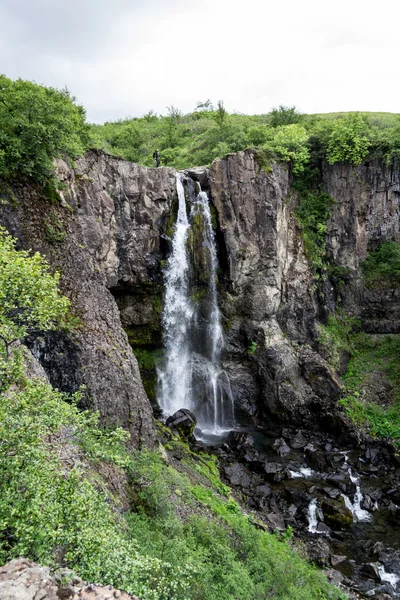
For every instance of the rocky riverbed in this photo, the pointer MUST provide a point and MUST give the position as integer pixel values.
(340, 497)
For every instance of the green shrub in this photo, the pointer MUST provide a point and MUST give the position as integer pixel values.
(37, 125)
(348, 141)
(381, 268)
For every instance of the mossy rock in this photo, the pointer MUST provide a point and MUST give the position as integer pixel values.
(336, 513)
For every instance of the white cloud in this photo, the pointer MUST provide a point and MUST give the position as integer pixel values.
(123, 58)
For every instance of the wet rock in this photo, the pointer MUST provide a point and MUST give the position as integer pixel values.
(372, 454)
(298, 441)
(263, 490)
(332, 492)
(371, 571)
(323, 528)
(236, 474)
(336, 513)
(237, 440)
(276, 521)
(318, 551)
(336, 577)
(182, 422)
(337, 559)
(281, 447)
(368, 503)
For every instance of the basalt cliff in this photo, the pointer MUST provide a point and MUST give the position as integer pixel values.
(116, 220)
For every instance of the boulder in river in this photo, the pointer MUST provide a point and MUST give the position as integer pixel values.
(183, 422)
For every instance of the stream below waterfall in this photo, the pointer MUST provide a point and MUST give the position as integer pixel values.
(342, 503)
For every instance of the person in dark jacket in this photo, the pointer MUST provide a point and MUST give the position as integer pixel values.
(156, 157)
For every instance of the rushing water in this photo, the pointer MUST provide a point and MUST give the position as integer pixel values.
(312, 516)
(192, 376)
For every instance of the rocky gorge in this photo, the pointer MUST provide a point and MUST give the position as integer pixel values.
(295, 459)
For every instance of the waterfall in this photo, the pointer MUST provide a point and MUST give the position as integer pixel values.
(192, 376)
(174, 379)
(312, 516)
(359, 514)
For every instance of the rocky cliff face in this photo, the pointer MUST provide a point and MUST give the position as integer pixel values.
(117, 236)
(268, 300)
(97, 354)
(366, 210)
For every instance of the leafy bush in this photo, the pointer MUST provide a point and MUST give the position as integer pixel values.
(290, 144)
(37, 125)
(29, 297)
(348, 141)
(381, 268)
(29, 302)
(284, 115)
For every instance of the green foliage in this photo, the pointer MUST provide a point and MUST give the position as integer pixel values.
(381, 268)
(374, 356)
(252, 347)
(54, 230)
(232, 558)
(37, 125)
(290, 144)
(29, 297)
(208, 133)
(348, 140)
(312, 212)
(53, 511)
(336, 336)
(284, 115)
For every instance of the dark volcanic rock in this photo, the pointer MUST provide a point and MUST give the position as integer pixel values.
(236, 474)
(182, 422)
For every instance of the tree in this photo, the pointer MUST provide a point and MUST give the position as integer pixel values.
(30, 300)
(284, 115)
(206, 106)
(348, 140)
(221, 115)
(37, 125)
(290, 144)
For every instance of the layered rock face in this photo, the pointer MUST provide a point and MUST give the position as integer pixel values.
(268, 302)
(97, 354)
(366, 211)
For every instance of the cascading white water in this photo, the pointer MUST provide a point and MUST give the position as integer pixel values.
(192, 376)
(359, 514)
(174, 378)
(312, 516)
(391, 578)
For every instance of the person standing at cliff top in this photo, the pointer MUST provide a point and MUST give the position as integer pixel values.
(156, 157)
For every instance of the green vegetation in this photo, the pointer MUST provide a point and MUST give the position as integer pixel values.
(30, 302)
(171, 531)
(208, 133)
(372, 378)
(37, 125)
(381, 268)
(313, 210)
(374, 366)
(337, 336)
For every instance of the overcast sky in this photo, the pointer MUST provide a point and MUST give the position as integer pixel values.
(124, 57)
